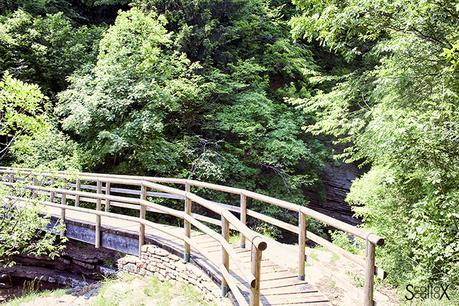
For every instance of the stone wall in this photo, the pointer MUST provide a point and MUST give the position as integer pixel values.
(166, 266)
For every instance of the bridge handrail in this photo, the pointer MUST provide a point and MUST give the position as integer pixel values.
(375, 239)
(372, 240)
(251, 235)
(258, 242)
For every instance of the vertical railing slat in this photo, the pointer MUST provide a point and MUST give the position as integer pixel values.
(301, 244)
(243, 216)
(187, 225)
(34, 183)
(107, 192)
(143, 196)
(256, 269)
(225, 255)
(63, 202)
(369, 274)
(98, 208)
(77, 188)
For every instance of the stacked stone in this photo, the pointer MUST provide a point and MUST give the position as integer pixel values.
(154, 261)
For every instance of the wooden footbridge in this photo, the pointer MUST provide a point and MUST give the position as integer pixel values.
(247, 270)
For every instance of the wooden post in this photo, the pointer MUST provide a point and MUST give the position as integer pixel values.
(34, 183)
(187, 225)
(369, 274)
(63, 202)
(256, 269)
(143, 196)
(52, 196)
(98, 207)
(107, 201)
(225, 255)
(11, 180)
(243, 216)
(77, 188)
(301, 244)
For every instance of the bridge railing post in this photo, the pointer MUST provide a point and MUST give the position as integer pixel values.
(187, 225)
(243, 216)
(143, 196)
(34, 183)
(225, 255)
(63, 202)
(369, 274)
(52, 196)
(77, 188)
(98, 221)
(255, 253)
(107, 192)
(301, 244)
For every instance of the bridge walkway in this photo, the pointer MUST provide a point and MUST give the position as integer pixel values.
(279, 285)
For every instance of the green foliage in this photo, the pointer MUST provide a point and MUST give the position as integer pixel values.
(23, 230)
(128, 289)
(21, 112)
(395, 106)
(20, 106)
(81, 11)
(37, 6)
(27, 136)
(147, 106)
(47, 148)
(45, 50)
(348, 243)
(119, 109)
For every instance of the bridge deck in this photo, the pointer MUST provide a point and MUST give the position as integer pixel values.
(279, 285)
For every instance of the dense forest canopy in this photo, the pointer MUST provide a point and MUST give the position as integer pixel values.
(395, 106)
(250, 93)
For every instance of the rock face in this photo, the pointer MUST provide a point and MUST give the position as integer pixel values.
(337, 181)
(79, 259)
(167, 266)
(79, 265)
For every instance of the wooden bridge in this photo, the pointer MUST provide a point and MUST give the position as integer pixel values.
(248, 271)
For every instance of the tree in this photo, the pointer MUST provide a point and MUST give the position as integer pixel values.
(199, 96)
(119, 109)
(45, 50)
(20, 114)
(395, 105)
(27, 135)
(23, 229)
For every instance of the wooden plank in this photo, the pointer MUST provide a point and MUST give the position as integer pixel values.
(292, 289)
(282, 284)
(286, 299)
